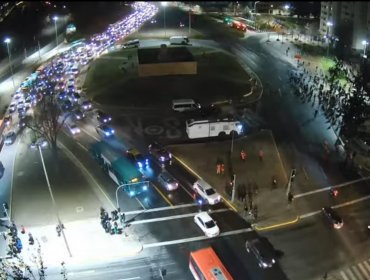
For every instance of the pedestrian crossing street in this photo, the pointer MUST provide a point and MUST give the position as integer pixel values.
(360, 271)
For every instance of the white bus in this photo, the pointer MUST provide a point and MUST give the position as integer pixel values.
(212, 128)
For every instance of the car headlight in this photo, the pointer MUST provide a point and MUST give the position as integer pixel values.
(169, 186)
(162, 158)
(145, 187)
(273, 260)
(112, 131)
(170, 155)
(106, 133)
(140, 165)
(264, 264)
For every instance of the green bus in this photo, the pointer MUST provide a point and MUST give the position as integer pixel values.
(121, 170)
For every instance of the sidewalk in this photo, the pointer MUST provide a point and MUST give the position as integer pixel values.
(273, 208)
(87, 241)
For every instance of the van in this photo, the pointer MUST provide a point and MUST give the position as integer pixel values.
(132, 44)
(179, 40)
(182, 105)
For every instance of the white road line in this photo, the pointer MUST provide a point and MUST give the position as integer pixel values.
(192, 239)
(364, 271)
(160, 209)
(174, 217)
(131, 278)
(349, 271)
(357, 272)
(11, 183)
(138, 200)
(344, 276)
(84, 169)
(333, 186)
(323, 172)
(88, 133)
(336, 206)
(82, 146)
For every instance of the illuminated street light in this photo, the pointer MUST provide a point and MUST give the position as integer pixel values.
(286, 7)
(328, 24)
(164, 5)
(7, 42)
(56, 30)
(365, 43)
(255, 13)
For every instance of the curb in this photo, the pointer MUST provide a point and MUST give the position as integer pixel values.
(295, 220)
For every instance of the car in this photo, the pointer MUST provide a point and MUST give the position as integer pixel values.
(207, 224)
(2, 169)
(262, 249)
(8, 120)
(12, 107)
(39, 142)
(10, 138)
(135, 156)
(333, 217)
(160, 153)
(205, 190)
(86, 105)
(73, 128)
(67, 105)
(78, 114)
(22, 122)
(166, 180)
(104, 130)
(102, 117)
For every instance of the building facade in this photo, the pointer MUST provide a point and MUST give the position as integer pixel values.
(346, 18)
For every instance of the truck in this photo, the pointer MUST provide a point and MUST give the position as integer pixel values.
(213, 128)
(179, 40)
(119, 168)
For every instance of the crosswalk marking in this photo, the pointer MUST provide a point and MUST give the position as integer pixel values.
(360, 271)
(357, 272)
(367, 266)
(363, 270)
(344, 276)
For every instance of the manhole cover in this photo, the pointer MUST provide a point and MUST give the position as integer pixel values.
(79, 209)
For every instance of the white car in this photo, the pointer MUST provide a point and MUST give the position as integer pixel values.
(207, 224)
(202, 188)
(73, 128)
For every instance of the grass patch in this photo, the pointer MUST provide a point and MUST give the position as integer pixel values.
(219, 77)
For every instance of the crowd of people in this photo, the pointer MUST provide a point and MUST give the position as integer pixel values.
(324, 92)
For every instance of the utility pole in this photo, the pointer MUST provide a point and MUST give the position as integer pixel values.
(189, 22)
(234, 187)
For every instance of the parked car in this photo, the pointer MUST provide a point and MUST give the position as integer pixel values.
(207, 224)
(167, 181)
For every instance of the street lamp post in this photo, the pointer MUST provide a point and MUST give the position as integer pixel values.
(7, 42)
(164, 5)
(56, 29)
(365, 43)
(328, 24)
(189, 22)
(54, 203)
(255, 13)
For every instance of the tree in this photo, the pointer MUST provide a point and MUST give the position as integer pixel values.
(354, 110)
(47, 120)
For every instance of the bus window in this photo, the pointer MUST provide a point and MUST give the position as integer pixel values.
(204, 264)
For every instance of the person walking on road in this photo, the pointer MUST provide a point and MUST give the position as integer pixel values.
(243, 155)
(260, 154)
